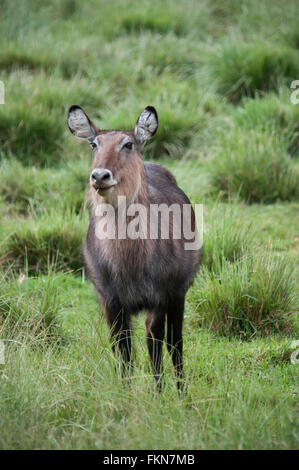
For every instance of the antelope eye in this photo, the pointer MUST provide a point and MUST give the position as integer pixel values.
(129, 145)
(93, 145)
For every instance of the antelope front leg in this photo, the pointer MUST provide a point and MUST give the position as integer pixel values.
(155, 328)
(175, 317)
(119, 323)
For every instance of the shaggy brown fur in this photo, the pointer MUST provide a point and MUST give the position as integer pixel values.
(138, 274)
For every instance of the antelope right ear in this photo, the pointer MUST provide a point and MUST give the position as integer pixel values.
(80, 125)
(147, 125)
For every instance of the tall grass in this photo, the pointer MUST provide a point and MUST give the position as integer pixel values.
(30, 308)
(219, 75)
(255, 166)
(83, 404)
(31, 190)
(272, 112)
(55, 238)
(228, 236)
(29, 134)
(247, 69)
(253, 296)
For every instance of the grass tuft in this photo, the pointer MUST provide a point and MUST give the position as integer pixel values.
(248, 69)
(35, 60)
(54, 239)
(33, 137)
(228, 237)
(251, 297)
(162, 23)
(272, 112)
(254, 166)
(28, 190)
(30, 308)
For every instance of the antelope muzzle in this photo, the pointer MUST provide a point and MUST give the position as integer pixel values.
(102, 180)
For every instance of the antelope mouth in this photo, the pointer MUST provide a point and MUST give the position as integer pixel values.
(104, 188)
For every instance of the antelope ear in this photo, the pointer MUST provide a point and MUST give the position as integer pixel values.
(80, 125)
(147, 125)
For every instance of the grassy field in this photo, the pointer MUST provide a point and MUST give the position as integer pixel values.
(219, 75)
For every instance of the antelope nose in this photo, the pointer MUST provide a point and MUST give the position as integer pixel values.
(101, 178)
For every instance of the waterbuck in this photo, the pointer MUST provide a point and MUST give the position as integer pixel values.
(139, 265)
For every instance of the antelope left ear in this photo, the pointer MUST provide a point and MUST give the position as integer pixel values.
(147, 125)
(80, 125)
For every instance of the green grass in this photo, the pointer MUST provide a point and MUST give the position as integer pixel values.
(255, 166)
(219, 74)
(246, 389)
(29, 190)
(54, 238)
(272, 112)
(29, 308)
(40, 134)
(252, 296)
(228, 236)
(248, 69)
